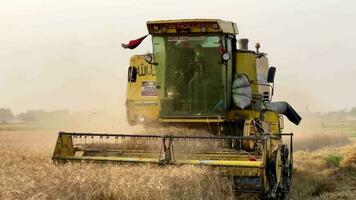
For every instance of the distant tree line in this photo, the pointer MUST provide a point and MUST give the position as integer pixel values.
(42, 115)
(344, 114)
(6, 115)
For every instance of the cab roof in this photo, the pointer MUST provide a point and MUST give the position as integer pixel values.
(191, 26)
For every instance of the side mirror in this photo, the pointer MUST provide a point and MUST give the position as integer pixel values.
(271, 74)
(132, 74)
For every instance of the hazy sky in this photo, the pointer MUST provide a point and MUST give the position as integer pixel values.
(67, 54)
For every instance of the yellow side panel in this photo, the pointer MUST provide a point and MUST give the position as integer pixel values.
(145, 72)
(242, 115)
(141, 95)
(246, 64)
(272, 118)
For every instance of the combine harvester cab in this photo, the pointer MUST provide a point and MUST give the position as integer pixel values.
(197, 78)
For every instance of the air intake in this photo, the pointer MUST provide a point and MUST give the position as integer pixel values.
(243, 43)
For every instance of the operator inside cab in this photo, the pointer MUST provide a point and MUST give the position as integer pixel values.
(193, 84)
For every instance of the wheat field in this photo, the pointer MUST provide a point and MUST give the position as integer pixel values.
(28, 175)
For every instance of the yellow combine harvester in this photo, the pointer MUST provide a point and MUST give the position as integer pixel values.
(198, 79)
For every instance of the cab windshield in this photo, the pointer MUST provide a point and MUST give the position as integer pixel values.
(190, 75)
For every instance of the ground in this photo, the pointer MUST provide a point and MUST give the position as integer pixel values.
(324, 168)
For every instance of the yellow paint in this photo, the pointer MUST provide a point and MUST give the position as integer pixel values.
(113, 159)
(243, 115)
(137, 105)
(227, 163)
(190, 120)
(246, 64)
(64, 146)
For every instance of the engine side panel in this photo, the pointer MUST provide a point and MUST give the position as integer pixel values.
(141, 95)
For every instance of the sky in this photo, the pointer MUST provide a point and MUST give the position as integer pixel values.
(68, 55)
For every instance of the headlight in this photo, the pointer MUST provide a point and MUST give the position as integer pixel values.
(226, 56)
(141, 119)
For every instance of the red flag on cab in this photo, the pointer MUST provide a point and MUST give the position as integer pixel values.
(133, 43)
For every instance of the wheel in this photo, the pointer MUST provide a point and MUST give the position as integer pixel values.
(286, 171)
(267, 196)
(278, 173)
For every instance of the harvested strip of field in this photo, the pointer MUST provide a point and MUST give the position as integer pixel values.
(29, 175)
(312, 142)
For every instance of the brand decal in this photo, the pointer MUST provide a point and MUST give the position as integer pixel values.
(146, 70)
